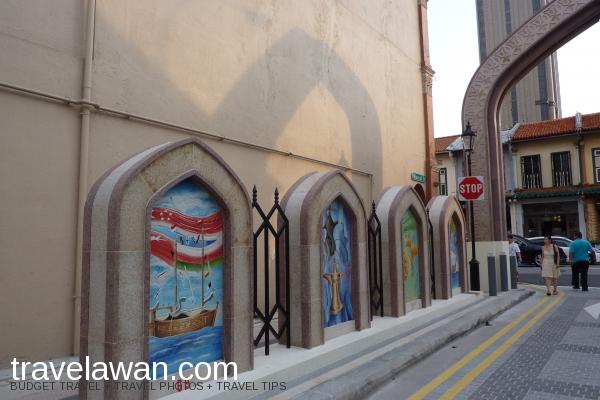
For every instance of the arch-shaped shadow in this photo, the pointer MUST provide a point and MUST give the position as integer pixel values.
(296, 76)
(542, 34)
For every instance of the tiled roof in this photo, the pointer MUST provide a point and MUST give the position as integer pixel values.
(441, 143)
(556, 127)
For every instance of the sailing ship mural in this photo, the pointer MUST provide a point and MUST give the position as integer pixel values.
(336, 264)
(454, 255)
(410, 257)
(186, 277)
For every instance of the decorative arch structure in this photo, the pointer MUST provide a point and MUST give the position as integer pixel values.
(406, 251)
(308, 205)
(119, 217)
(449, 253)
(545, 32)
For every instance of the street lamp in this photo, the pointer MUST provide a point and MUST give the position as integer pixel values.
(468, 139)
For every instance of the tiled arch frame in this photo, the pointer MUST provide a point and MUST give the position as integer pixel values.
(115, 281)
(303, 204)
(442, 210)
(546, 31)
(391, 207)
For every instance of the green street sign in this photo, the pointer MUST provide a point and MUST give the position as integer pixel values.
(417, 177)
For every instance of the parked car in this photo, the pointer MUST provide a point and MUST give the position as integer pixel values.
(531, 253)
(564, 244)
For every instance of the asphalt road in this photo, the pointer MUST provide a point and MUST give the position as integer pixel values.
(551, 354)
(533, 275)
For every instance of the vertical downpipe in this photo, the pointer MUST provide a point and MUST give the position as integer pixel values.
(86, 96)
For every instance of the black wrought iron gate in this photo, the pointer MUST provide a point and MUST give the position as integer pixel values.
(375, 260)
(280, 235)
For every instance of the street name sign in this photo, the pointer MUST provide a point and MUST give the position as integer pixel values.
(471, 188)
(415, 176)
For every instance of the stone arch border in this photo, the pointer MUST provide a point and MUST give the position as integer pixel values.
(543, 33)
(391, 207)
(442, 209)
(303, 204)
(115, 281)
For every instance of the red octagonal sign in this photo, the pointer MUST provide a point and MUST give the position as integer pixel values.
(471, 188)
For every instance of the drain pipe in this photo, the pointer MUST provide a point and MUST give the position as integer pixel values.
(86, 96)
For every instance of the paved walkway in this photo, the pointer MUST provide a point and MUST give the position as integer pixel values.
(545, 348)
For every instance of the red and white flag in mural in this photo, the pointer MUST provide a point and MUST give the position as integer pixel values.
(189, 232)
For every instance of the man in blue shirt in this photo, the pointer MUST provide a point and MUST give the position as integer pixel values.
(579, 254)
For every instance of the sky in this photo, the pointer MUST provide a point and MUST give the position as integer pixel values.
(454, 55)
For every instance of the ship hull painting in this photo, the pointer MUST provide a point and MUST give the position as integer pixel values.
(336, 264)
(186, 277)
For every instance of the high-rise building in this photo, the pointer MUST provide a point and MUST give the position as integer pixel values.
(537, 96)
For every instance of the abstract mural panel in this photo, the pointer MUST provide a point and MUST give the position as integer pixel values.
(454, 255)
(336, 264)
(186, 277)
(410, 257)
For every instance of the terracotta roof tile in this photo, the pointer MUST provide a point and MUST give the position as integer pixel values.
(556, 127)
(442, 142)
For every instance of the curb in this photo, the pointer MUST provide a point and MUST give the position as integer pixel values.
(364, 380)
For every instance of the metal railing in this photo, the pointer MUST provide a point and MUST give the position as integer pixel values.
(280, 236)
(375, 260)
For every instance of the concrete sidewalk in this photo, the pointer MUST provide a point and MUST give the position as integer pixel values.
(353, 365)
(347, 367)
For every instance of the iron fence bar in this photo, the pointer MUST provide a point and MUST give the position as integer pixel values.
(267, 229)
(375, 263)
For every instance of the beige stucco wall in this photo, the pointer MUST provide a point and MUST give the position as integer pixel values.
(338, 81)
(590, 142)
(445, 161)
(545, 147)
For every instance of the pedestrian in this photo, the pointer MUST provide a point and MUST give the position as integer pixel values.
(550, 264)
(514, 251)
(580, 252)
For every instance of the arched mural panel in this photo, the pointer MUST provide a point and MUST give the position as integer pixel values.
(186, 277)
(411, 256)
(164, 193)
(336, 263)
(405, 251)
(450, 268)
(328, 266)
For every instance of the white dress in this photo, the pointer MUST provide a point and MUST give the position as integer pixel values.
(548, 265)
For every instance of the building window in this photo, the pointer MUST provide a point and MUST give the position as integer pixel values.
(596, 159)
(443, 181)
(561, 169)
(531, 172)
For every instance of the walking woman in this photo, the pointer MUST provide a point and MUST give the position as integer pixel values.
(550, 264)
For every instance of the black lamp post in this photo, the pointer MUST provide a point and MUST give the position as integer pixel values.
(468, 139)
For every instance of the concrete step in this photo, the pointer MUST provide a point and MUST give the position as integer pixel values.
(351, 366)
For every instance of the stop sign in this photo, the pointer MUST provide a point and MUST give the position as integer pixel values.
(471, 188)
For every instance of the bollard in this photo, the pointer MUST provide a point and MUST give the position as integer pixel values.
(513, 272)
(503, 272)
(493, 291)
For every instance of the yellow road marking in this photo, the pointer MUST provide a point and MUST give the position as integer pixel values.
(470, 377)
(443, 377)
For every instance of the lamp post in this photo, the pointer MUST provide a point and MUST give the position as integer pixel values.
(468, 137)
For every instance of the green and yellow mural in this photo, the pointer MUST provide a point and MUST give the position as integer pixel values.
(410, 257)
(454, 254)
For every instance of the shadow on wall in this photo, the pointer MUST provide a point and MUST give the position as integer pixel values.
(292, 67)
